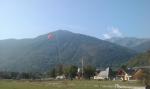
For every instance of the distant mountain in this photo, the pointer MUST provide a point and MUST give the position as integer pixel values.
(62, 47)
(143, 47)
(142, 59)
(139, 45)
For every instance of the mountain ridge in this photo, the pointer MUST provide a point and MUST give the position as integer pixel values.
(138, 44)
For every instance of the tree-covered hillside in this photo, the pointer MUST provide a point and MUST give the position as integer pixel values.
(62, 47)
(142, 59)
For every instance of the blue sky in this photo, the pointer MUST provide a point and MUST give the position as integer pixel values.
(99, 18)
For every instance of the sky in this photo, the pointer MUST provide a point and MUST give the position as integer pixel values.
(103, 19)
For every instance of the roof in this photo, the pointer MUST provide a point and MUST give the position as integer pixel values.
(121, 72)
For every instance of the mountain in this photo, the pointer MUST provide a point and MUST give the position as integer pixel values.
(62, 47)
(139, 45)
(142, 59)
(143, 47)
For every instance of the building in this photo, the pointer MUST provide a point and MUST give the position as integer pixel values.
(102, 75)
(124, 76)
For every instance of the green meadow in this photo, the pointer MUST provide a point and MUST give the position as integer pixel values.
(65, 84)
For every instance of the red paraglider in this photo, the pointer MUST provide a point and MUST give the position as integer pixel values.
(50, 36)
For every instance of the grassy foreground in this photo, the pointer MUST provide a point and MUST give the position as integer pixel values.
(66, 84)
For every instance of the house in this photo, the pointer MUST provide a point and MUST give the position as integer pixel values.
(124, 76)
(139, 72)
(60, 77)
(102, 75)
(138, 75)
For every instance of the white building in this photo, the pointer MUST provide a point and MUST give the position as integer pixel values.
(103, 74)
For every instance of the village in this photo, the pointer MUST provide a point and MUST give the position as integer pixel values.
(74, 74)
(130, 74)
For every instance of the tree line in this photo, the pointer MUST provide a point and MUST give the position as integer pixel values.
(18, 75)
(70, 72)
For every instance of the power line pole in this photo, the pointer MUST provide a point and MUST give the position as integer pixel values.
(82, 67)
(58, 49)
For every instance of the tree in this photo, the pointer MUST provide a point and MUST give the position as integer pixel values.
(66, 72)
(14, 75)
(59, 69)
(25, 75)
(89, 71)
(71, 71)
(124, 67)
(112, 74)
(53, 73)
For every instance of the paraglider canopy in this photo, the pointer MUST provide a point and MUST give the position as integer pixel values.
(50, 36)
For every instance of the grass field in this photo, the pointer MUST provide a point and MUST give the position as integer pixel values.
(66, 84)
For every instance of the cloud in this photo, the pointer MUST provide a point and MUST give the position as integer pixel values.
(106, 36)
(112, 32)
